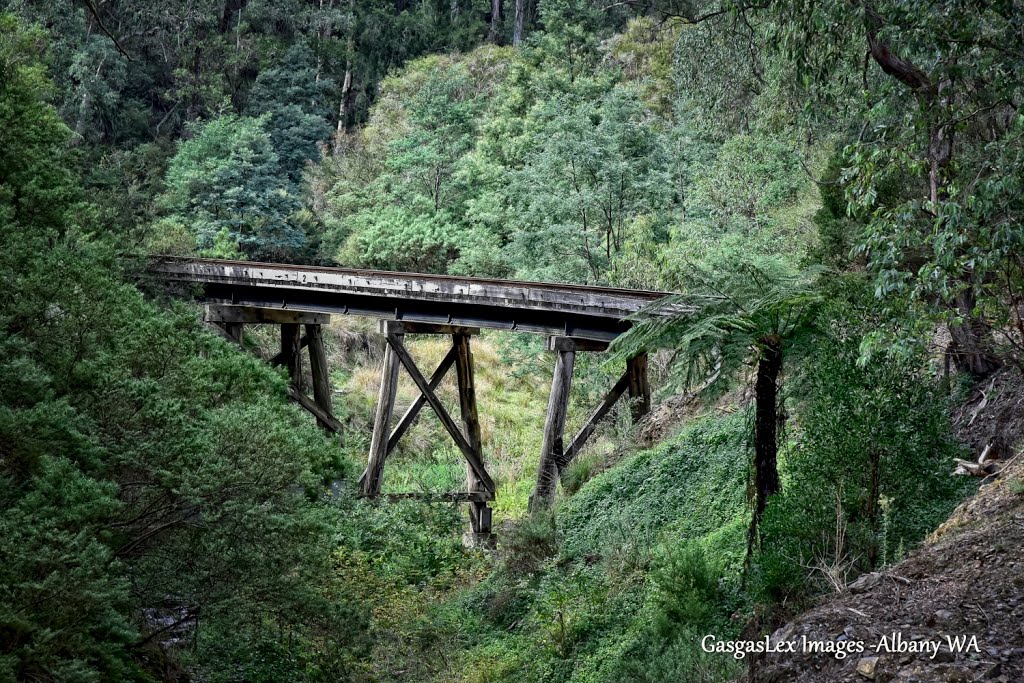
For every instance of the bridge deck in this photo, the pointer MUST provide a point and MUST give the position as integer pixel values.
(560, 309)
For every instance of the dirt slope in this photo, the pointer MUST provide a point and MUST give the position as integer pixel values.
(968, 580)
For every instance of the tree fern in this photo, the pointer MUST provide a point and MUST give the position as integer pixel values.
(740, 312)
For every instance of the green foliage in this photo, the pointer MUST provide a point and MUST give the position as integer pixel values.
(151, 474)
(37, 189)
(689, 603)
(226, 178)
(869, 475)
(617, 585)
(593, 169)
(532, 543)
(148, 471)
(949, 234)
(691, 485)
(731, 309)
(293, 97)
(751, 195)
(408, 216)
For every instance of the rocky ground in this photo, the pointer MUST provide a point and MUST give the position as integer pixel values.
(967, 580)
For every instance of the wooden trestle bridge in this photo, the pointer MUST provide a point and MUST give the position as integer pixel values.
(300, 299)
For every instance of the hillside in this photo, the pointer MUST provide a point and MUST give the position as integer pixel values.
(829, 196)
(964, 581)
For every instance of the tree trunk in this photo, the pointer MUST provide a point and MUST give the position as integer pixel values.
(517, 33)
(231, 7)
(766, 391)
(970, 348)
(344, 106)
(494, 34)
(871, 506)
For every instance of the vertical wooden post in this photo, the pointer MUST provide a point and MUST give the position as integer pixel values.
(318, 368)
(234, 331)
(639, 386)
(291, 350)
(479, 512)
(553, 443)
(382, 421)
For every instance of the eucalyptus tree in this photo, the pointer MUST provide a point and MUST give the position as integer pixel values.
(593, 170)
(294, 96)
(748, 311)
(937, 97)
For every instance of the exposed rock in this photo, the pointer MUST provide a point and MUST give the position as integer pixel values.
(866, 582)
(866, 667)
(961, 583)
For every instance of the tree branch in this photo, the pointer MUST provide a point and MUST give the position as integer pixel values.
(94, 11)
(690, 18)
(894, 65)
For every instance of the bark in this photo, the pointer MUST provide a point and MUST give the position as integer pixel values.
(517, 33)
(345, 104)
(971, 345)
(766, 392)
(970, 348)
(892, 63)
(871, 507)
(494, 34)
(230, 8)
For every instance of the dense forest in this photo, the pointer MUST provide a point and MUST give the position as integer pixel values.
(834, 188)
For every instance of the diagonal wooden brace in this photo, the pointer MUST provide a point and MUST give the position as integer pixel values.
(395, 341)
(588, 429)
(414, 410)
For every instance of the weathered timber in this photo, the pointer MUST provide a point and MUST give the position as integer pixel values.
(557, 343)
(456, 497)
(291, 349)
(219, 330)
(235, 331)
(578, 318)
(262, 316)
(479, 513)
(319, 370)
(639, 386)
(404, 327)
(578, 311)
(552, 445)
(411, 414)
(587, 430)
(326, 420)
(281, 357)
(370, 482)
(395, 343)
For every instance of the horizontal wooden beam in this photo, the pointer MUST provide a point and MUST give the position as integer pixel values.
(458, 497)
(219, 313)
(405, 327)
(559, 343)
(583, 311)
